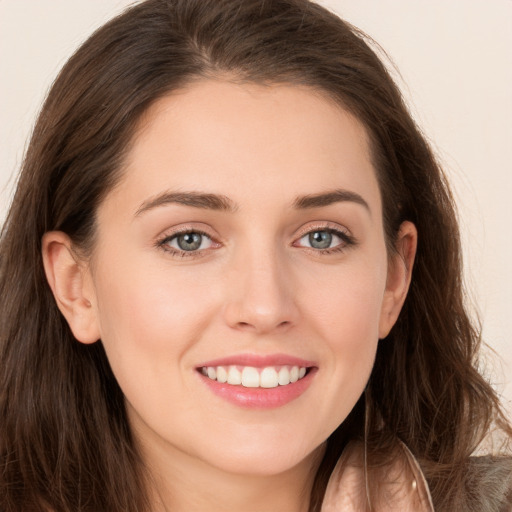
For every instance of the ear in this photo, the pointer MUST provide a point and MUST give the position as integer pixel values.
(70, 281)
(399, 276)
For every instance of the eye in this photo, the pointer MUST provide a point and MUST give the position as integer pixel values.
(325, 240)
(189, 241)
(320, 239)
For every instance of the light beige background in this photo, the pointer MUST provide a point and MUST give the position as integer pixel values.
(455, 60)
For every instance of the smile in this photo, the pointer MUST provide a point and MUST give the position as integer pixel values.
(261, 382)
(251, 377)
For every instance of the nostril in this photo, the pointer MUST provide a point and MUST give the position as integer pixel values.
(256, 326)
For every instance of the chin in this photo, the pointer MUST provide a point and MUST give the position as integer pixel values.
(265, 459)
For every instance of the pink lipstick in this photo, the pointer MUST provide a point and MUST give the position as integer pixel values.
(256, 381)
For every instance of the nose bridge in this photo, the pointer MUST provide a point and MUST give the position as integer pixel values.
(261, 297)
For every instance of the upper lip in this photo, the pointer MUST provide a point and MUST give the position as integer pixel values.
(259, 361)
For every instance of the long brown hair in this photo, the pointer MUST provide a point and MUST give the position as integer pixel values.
(65, 442)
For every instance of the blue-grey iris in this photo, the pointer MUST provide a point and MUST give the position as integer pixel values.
(189, 241)
(320, 239)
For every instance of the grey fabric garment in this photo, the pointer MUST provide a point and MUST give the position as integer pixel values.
(489, 484)
(401, 486)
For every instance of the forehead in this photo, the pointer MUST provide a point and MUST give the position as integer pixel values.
(246, 141)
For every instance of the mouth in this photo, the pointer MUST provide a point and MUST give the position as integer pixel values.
(252, 377)
(258, 382)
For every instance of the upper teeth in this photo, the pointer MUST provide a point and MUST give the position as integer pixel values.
(250, 377)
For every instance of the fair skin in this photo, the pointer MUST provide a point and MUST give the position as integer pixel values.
(283, 261)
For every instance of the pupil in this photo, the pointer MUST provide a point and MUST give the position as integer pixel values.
(320, 239)
(189, 241)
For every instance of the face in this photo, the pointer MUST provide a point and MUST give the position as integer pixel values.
(240, 280)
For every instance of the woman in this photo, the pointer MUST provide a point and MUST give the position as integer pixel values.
(231, 278)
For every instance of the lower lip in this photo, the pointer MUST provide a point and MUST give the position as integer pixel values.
(260, 398)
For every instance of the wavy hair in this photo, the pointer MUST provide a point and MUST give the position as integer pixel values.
(65, 442)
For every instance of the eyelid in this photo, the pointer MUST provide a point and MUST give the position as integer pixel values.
(348, 240)
(341, 231)
(162, 241)
(323, 226)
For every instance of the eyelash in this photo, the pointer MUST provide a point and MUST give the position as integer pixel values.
(347, 242)
(177, 253)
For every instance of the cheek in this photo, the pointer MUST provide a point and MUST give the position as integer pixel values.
(345, 304)
(345, 314)
(352, 331)
(148, 320)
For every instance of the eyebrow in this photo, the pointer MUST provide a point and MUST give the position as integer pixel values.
(220, 202)
(193, 199)
(328, 198)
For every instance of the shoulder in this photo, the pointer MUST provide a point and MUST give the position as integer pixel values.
(488, 484)
(398, 483)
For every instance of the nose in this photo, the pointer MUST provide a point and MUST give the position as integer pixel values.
(260, 294)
